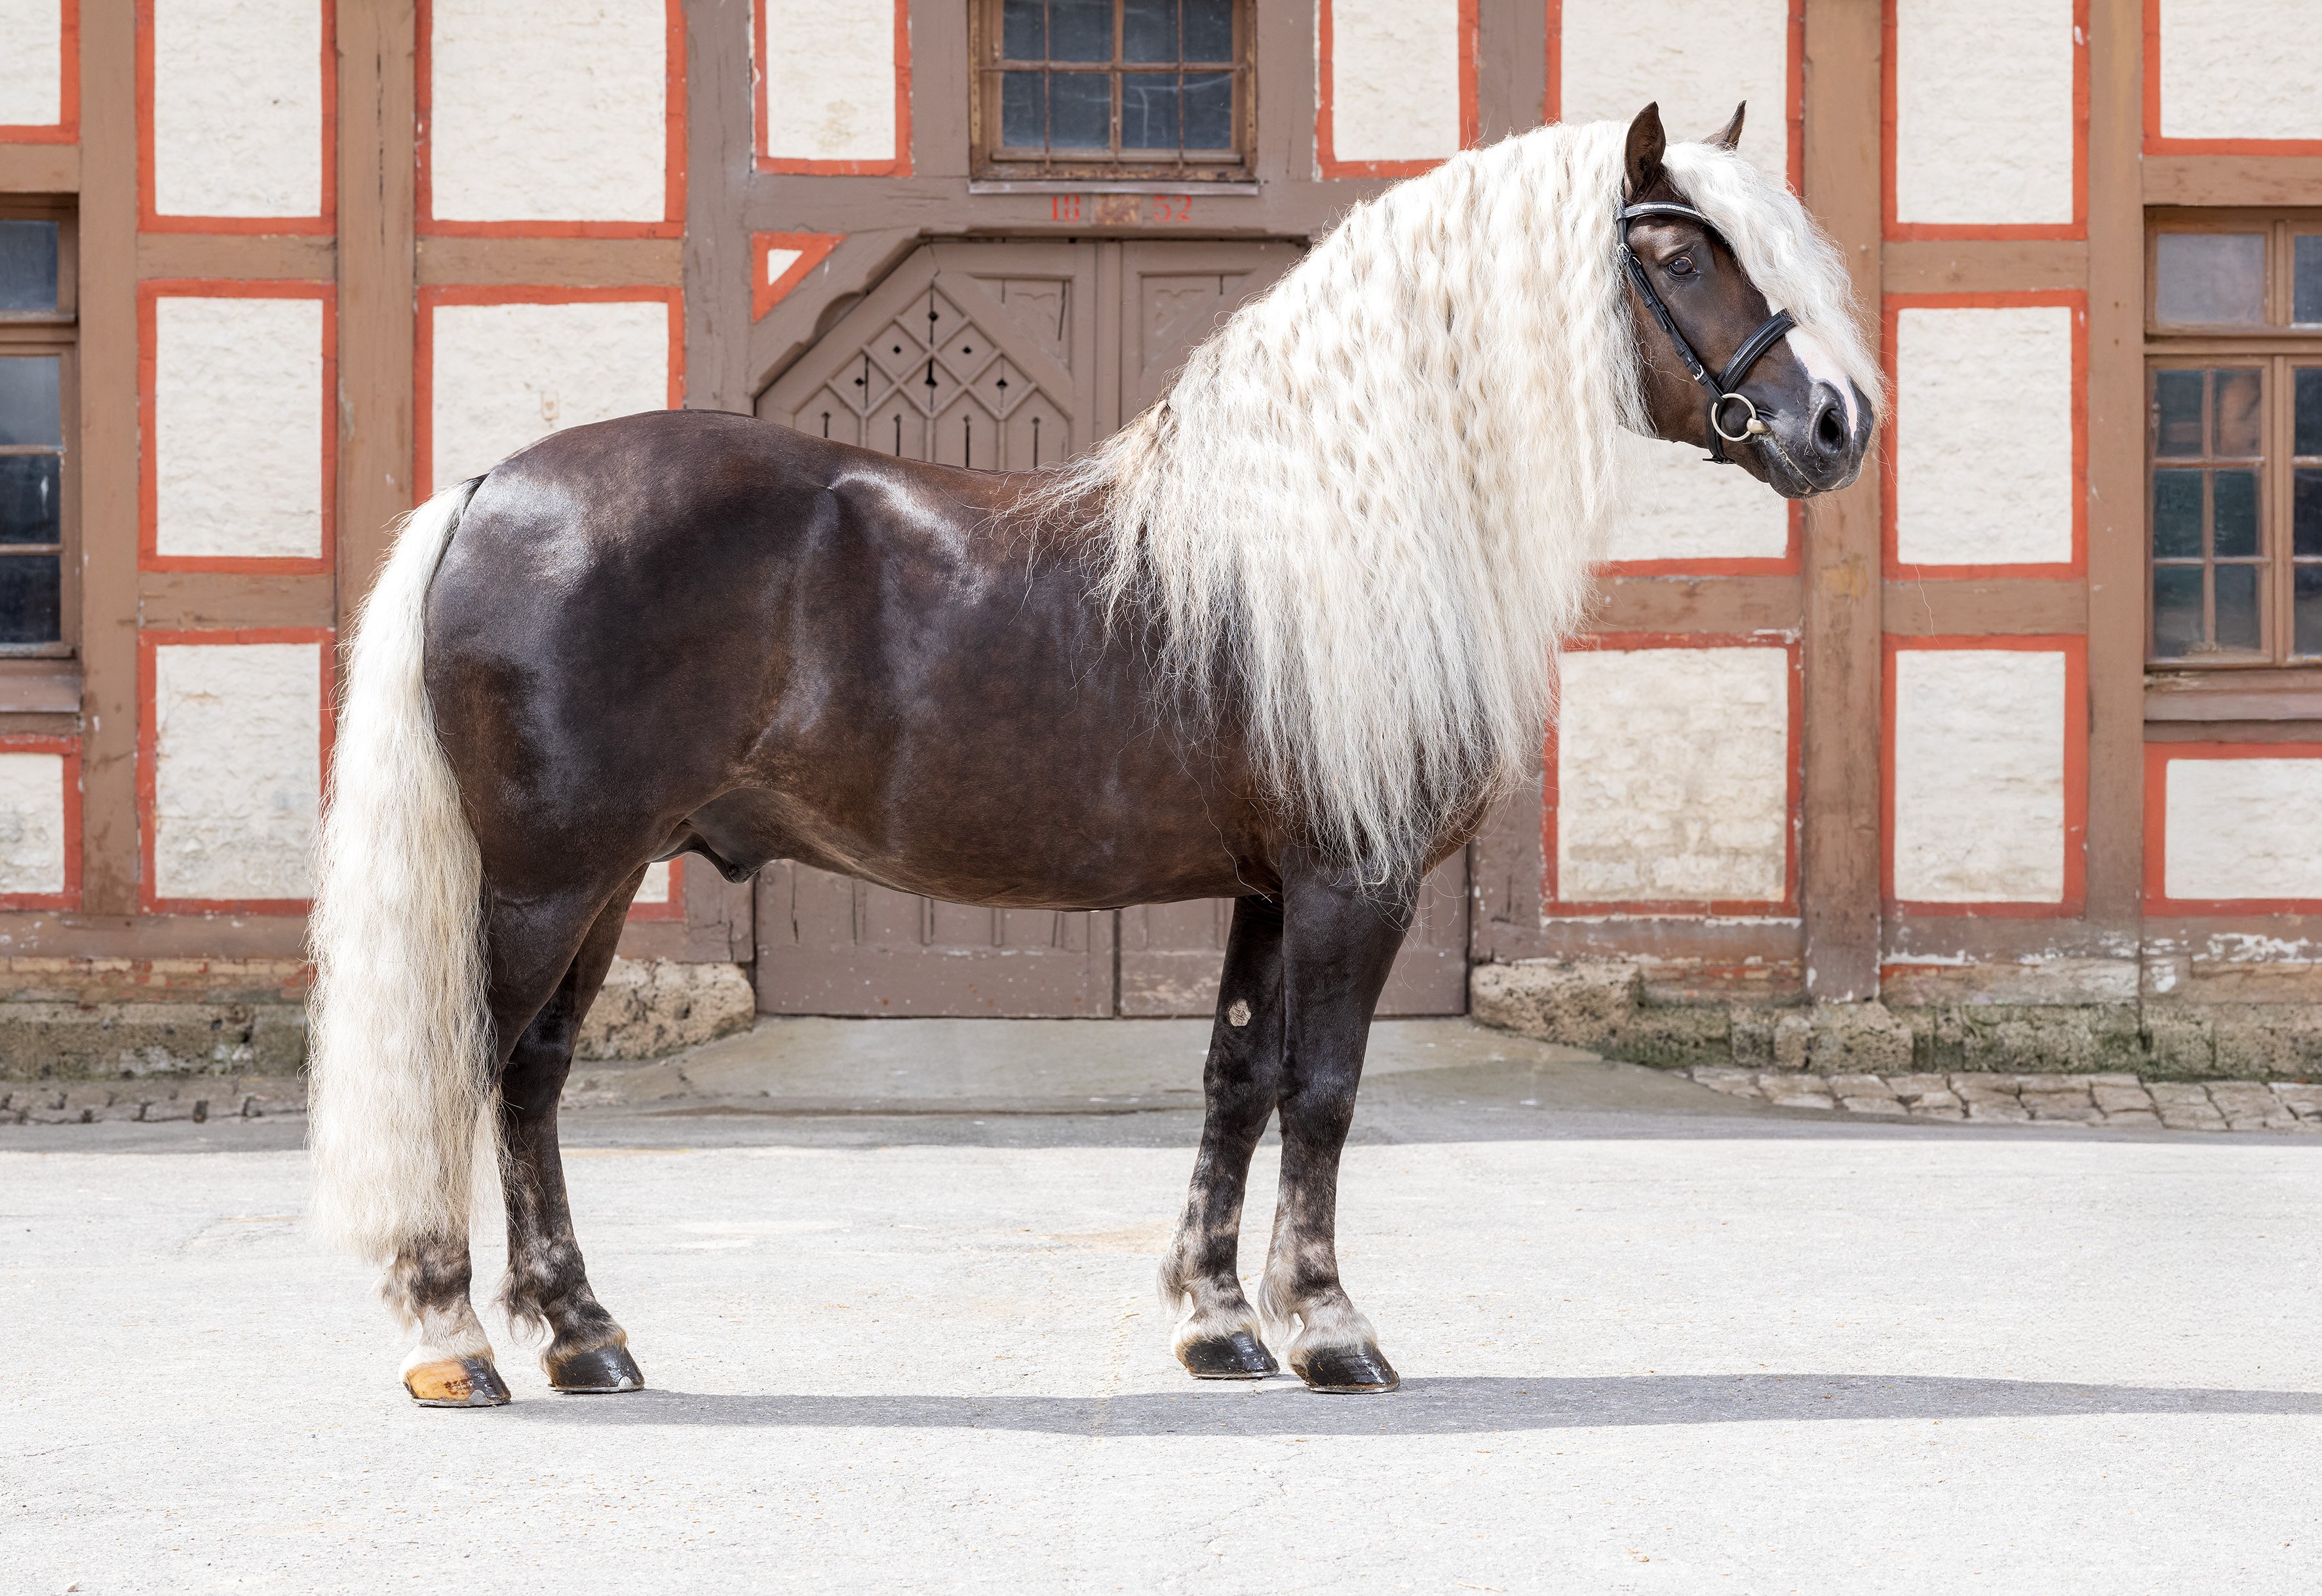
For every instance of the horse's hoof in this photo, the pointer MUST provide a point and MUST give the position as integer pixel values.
(1239, 1356)
(455, 1382)
(599, 1371)
(1346, 1370)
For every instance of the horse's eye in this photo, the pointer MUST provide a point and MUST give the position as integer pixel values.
(1680, 267)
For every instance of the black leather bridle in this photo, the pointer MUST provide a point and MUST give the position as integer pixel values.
(1721, 388)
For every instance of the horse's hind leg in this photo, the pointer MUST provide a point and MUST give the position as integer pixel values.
(1338, 943)
(1218, 1337)
(547, 1283)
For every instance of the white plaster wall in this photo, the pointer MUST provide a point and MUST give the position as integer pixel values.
(1983, 134)
(549, 110)
(2240, 69)
(1394, 79)
(237, 774)
(655, 887)
(2243, 829)
(1672, 771)
(31, 82)
(1682, 507)
(779, 261)
(1983, 465)
(830, 80)
(31, 823)
(1978, 776)
(1695, 60)
(238, 427)
(238, 107)
(507, 374)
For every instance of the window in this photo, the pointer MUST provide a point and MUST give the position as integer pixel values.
(2234, 439)
(1113, 88)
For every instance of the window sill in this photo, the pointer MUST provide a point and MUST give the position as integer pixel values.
(39, 686)
(1110, 185)
(2267, 695)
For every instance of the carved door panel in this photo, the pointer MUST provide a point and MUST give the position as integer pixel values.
(1174, 294)
(979, 355)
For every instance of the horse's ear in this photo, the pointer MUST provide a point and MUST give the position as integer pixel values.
(1646, 143)
(1732, 136)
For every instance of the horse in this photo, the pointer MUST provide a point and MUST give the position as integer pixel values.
(1281, 639)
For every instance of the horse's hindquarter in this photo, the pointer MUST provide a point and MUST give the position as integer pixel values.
(693, 625)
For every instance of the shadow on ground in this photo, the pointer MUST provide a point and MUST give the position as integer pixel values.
(1473, 1404)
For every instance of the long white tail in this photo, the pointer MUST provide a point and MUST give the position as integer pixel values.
(399, 1035)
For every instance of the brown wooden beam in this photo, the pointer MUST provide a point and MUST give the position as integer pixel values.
(1840, 855)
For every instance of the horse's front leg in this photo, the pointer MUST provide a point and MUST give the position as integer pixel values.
(1217, 1333)
(547, 1283)
(1338, 943)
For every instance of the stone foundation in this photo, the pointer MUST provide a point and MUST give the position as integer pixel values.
(126, 1021)
(2097, 1022)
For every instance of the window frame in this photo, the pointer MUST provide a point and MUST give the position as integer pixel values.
(57, 333)
(2277, 348)
(990, 160)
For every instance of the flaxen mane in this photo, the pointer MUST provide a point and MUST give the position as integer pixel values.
(1367, 508)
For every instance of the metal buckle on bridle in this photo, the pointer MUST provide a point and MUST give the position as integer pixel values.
(1722, 388)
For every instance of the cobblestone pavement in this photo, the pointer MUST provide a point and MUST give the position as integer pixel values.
(194, 1098)
(2119, 1101)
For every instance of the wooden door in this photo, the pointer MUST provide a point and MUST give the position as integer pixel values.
(979, 355)
(1005, 356)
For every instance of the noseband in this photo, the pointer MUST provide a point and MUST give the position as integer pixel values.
(1723, 388)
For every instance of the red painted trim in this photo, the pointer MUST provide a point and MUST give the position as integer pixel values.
(148, 748)
(2156, 144)
(672, 222)
(149, 295)
(673, 910)
(812, 247)
(1794, 108)
(1786, 563)
(1553, 906)
(2158, 757)
(1326, 160)
(2077, 228)
(69, 747)
(64, 130)
(423, 416)
(899, 167)
(149, 220)
(1897, 419)
(2074, 647)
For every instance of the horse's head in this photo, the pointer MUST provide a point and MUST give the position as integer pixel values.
(1719, 367)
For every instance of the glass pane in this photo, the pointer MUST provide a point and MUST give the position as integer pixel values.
(2210, 278)
(2306, 512)
(28, 265)
(30, 485)
(2235, 494)
(2238, 625)
(1208, 30)
(1148, 111)
(2176, 610)
(2308, 430)
(2240, 423)
(30, 586)
(1149, 32)
(1079, 111)
(2176, 414)
(2176, 515)
(2307, 603)
(1080, 31)
(2306, 280)
(1208, 110)
(28, 399)
(1023, 31)
(1022, 116)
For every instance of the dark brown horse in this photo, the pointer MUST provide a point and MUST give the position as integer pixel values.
(1281, 642)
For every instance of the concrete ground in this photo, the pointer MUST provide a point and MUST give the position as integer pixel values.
(890, 1282)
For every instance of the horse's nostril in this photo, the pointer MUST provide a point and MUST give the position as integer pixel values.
(1830, 430)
